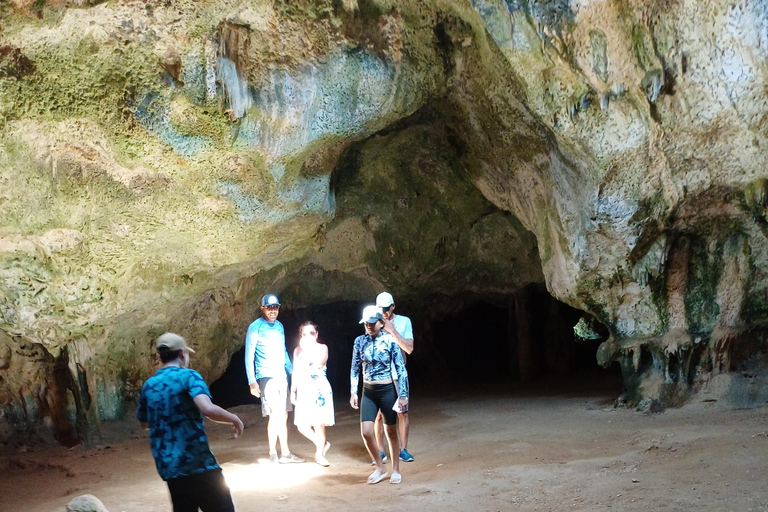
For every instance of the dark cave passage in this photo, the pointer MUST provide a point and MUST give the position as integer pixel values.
(524, 340)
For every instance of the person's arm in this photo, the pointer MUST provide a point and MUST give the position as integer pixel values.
(141, 412)
(215, 413)
(354, 374)
(396, 359)
(288, 364)
(296, 353)
(403, 340)
(323, 355)
(251, 339)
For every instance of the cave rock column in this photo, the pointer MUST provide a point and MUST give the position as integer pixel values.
(521, 343)
(82, 384)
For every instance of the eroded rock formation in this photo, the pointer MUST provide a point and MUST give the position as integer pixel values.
(162, 164)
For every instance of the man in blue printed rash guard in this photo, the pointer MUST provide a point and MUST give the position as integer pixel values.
(267, 366)
(378, 354)
(172, 405)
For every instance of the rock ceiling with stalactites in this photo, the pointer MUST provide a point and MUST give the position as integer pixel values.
(161, 164)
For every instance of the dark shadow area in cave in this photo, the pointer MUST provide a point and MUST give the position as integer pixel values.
(522, 342)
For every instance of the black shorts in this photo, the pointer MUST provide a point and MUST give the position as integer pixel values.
(378, 397)
(207, 491)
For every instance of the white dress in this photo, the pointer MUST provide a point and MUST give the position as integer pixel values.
(314, 397)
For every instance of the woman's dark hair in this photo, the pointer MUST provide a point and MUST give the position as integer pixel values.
(168, 355)
(308, 322)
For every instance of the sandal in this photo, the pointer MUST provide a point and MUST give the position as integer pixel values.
(396, 478)
(377, 476)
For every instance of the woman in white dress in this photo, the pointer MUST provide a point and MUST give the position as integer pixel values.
(311, 392)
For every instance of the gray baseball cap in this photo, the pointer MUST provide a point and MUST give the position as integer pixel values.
(172, 341)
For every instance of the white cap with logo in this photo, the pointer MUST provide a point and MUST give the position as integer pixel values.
(384, 300)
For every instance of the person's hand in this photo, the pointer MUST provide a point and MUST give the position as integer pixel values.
(353, 400)
(237, 427)
(255, 390)
(389, 326)
(403, 403)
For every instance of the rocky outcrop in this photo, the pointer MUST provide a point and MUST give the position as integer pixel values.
(86, 503)
(162, 164)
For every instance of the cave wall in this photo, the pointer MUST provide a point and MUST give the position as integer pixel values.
(163, 165)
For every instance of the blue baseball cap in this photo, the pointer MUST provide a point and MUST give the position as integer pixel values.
(270, 300)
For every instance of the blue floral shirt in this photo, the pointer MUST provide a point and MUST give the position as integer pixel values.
(176, 432)
(378, 358)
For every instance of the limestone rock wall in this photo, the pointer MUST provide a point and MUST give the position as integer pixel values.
(667, 101)
(163, 164)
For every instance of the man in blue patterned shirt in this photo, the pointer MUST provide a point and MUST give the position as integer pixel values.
(378, 354)
(172, 405)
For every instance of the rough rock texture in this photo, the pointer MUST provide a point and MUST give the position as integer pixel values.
(86, 503)
(161, 165)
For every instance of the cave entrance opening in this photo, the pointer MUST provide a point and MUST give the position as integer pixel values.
(522, 342)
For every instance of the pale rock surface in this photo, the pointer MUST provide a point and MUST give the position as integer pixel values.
(162, 164)
(86, 503)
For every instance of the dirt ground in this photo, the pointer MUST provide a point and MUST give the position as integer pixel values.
(485, 450)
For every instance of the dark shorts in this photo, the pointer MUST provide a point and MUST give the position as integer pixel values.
(378, 397)
(207, 491)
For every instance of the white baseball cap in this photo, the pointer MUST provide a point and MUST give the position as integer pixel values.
(384, 300)
(371, 315)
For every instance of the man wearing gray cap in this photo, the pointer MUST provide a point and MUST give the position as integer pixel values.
(267, 366)
(401, 329)
(172, 405)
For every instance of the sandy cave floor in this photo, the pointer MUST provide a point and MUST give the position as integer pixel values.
(560, 449)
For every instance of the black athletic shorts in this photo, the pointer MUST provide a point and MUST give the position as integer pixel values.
(378, 397)
(207, 491)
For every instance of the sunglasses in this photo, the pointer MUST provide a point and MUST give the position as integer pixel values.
(272, 308)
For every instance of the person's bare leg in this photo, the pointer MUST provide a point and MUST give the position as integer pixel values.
(322, 445)
(320, 436)
(272, 433)
(394, 447)
(369, 438)
(277, 430)
(379, 428)
(404, 425)
(311, 434)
